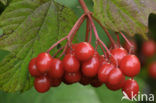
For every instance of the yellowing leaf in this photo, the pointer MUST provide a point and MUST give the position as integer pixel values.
(130, 16)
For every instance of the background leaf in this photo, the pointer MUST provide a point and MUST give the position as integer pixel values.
(4, 2)
(130, 16)
(29, 27)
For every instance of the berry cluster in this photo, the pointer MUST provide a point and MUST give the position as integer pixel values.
(82, 63)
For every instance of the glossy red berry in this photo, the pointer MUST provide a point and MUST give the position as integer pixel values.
(96, 83)
(33, 69)
(104, 71)
(85, 80)
(55, 82)
(115, 77)
(118, 86)
(130, 65)
(84, 51)
(42, 84)
(131, 88)
(72, 77)
(152, 70)
(119, 54)
(149, 48)
(72, 49)
(70, 63)
(56, 69)
(43, 62)
(90, 67)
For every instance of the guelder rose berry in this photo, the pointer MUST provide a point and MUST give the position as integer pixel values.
(117, 86)
(131, 88)
(70, 63)
(149, 48)
(72, 77)
(130, 65)
(33, 68)
(56, 69)
(115, 76)
(104, 71)
(119, 54)
(42, 84)
(152, 70)
(43, 62)
(90, 67)
(84, 51)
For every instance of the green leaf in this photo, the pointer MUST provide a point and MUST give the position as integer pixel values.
(1, 32)
(29, 27)
(130, 16)
(4, 2)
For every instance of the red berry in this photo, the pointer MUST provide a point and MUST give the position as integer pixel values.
(55, 82)
(43, 62)
(56, 69)
(104, 71)
(42, 84)
(149, 48)
(130, 65)
(90, 67)
(127, 47)
(131, 88)
(84, 51)
(118, 86)
(115, 76)
(71, 50)
(33, 69)
(119, 54)
(71, 64)
(152, 70)
(72, 77)
(96, 83)
(85, 80)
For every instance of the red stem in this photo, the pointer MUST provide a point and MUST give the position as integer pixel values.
(76, 25)
(58, 51)
(107, 33)
(84, 7)
(128, 42)
(53, 46)
(87, 30)
(90, 30)
(81, 21)
(118, 38)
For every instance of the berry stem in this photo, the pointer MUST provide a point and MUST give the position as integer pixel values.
(77, 28)
(104, 52)
(54, 45)
(84, 7)
(87, 30)
(74, 29)
(118, 38)
(128, 42)
(107, 32)
(58, 51)
(90, 35)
